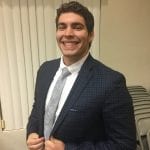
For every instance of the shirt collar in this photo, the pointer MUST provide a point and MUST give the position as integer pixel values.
(74, 67)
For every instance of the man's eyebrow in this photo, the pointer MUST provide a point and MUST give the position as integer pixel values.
(74, 23)
(61, 23)
(77, 23)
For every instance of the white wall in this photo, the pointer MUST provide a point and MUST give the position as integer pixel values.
(125, 39)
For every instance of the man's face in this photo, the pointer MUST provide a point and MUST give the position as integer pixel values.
(72, 37)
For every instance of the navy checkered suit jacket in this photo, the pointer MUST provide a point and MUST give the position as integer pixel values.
(98, 113)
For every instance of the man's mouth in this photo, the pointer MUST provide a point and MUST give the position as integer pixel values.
(70, 44)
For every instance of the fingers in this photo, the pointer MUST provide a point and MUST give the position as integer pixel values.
(54, 144)
(56, 141)
(49, 145)
(34, 142)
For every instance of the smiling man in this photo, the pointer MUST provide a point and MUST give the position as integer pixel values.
(73, 37)
(94, 109)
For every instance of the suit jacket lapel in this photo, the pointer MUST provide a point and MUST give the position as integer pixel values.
(84, 76)
(48, 75)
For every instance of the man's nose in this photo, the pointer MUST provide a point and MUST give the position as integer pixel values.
(69, 31)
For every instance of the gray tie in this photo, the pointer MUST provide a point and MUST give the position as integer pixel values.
(51, 108)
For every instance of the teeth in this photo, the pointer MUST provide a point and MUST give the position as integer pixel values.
(68, 41)
(69, 44)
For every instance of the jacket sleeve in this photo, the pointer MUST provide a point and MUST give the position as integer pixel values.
(118, 119)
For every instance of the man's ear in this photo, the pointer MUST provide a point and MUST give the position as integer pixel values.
(91, 36)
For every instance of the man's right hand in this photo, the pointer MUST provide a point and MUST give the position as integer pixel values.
(34, 142)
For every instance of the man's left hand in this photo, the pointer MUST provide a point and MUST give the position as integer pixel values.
(54, 144)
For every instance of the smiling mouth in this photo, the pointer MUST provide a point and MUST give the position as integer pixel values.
(70, 44)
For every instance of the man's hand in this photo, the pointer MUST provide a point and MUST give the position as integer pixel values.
(54, 144)
(34, 142)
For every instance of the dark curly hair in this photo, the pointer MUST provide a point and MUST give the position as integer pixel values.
(79, 9)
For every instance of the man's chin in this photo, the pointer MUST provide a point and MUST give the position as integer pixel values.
(68, 52)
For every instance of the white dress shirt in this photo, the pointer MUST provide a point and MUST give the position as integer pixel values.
(74, 69)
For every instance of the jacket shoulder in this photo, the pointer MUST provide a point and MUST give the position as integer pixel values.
(105, 70)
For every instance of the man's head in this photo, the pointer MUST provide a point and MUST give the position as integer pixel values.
(79, 9)
(74, 33)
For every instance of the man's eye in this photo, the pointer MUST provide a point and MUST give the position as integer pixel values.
(78, 27)
(61, 27)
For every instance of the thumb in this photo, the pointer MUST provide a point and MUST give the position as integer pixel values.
(34, 135)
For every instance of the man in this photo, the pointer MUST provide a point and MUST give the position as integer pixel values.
(95, 110)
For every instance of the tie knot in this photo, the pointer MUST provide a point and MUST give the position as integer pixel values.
(65, 72)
